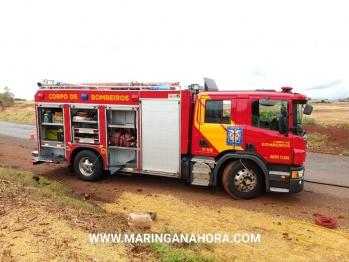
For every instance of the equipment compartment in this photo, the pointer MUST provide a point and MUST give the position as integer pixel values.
(122, 127)
(122, 138)
(51, 131)
(85, 125)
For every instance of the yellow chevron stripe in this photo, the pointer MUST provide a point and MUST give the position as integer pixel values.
(214, 133)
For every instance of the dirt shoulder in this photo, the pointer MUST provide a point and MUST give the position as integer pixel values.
(328, 139)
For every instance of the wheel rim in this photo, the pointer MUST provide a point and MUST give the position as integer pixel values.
(86, 166)
(245, 180)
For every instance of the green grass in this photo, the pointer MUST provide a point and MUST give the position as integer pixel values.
(170, 253)
(181, 251)
(345, 152)
(316, 140)
(268, 115)
(309, 120)
(316, 137)
(23, 184)
(334, 144)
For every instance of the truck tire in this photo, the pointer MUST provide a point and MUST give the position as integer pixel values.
(88, 165)
(242, 180)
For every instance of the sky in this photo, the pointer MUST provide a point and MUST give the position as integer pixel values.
(240, 44)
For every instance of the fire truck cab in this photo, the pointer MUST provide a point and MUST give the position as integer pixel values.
(249, 141)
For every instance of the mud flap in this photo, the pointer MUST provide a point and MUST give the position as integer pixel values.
(114, 169)
(56, 159)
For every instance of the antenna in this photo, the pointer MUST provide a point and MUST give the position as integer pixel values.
(263, 77)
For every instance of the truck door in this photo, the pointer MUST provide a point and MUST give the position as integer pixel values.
(263, 131)
(216, 125)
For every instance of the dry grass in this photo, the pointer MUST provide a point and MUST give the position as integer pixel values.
(334, 113)
(22, 111)
(175, 216)
(33, 227)
(31, 233)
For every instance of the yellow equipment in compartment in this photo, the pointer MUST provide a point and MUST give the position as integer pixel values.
(51, 134)
(57, 117)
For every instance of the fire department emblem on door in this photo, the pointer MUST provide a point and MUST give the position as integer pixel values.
(234, 136)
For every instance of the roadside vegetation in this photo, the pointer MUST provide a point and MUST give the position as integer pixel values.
(309, 120)
(344, 100)
(48, 211)
(327, 127)
(15, 109)
(21, 111)
(316, 140)
(319, 101)
(345, 152)
(7, 98)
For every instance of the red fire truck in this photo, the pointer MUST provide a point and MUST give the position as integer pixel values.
(249, 141)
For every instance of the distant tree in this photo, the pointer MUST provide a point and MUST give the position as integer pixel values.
(7, 97)
(309, 98)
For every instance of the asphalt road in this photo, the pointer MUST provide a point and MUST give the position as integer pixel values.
(16, 129)
(329, 169)
(322, 168)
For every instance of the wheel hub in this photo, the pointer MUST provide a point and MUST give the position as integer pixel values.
(245, 180)
(86, 166)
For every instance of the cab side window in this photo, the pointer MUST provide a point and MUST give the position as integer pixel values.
(267, 116)
(217, 111)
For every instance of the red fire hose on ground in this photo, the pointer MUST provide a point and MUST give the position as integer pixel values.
(325, 221)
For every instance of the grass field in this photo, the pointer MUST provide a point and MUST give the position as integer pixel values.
(22, 111)
(333, 113)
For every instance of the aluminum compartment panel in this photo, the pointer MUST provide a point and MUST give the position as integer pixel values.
(160, 131)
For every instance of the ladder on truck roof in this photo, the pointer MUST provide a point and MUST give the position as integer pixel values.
(51, 84)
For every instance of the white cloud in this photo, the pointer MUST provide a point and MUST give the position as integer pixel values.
(300, 44)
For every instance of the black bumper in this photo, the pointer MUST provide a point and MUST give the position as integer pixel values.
(296, 184)
(287, 183)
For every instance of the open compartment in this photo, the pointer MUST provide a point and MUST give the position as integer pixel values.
(85, 124)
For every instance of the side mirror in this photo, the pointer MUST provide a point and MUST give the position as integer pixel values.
(308, 109)
(283, 111)
(265, 102)
(282, 125)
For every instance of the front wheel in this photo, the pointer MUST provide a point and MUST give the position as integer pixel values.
(88, 165)
(242, 180)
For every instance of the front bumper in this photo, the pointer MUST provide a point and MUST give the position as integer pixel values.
(296, 185)
(288, 182)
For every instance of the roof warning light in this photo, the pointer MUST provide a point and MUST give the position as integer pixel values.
(286, 89)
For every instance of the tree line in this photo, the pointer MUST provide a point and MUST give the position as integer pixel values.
(7, 98)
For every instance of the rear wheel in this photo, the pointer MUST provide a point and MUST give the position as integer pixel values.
(242, 180)
(88, 165)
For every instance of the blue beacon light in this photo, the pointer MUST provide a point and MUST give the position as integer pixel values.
(84, 96)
